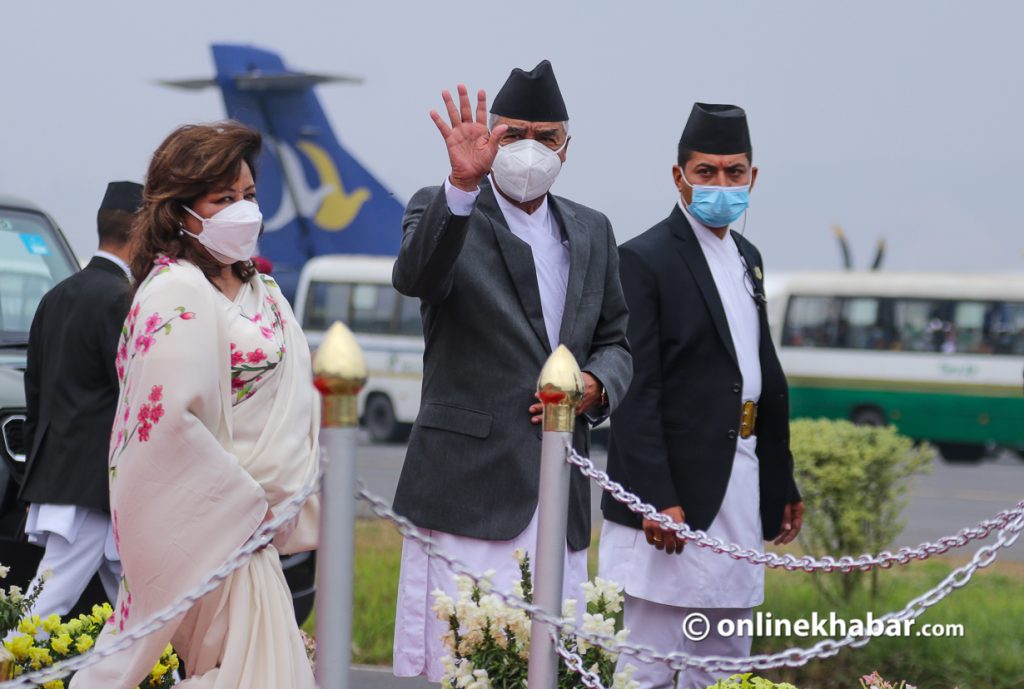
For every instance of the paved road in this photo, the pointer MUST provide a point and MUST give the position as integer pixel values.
(952, 497)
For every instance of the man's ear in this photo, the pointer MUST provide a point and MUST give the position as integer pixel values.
(681, 186)
(565, 149)
(753, 177)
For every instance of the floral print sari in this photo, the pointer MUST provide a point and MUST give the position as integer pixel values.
(217, 422)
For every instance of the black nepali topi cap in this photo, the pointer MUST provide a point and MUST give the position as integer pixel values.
(122, 196)
(717, 129)
(533, 96)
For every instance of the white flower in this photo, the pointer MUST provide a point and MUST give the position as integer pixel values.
(569, 609)
(517, 590)
(4, 571)
(481, 680)
(519, 554)
(15, 594)
(45, 576)
(444, 606)
(464, 585)
(486, 584)
(624, 679)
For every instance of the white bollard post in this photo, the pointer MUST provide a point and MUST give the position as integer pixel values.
(339, 372)
(560, 389)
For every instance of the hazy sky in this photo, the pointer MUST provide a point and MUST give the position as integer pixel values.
(896, 119)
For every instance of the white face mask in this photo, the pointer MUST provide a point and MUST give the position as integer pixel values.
(231, 234)
(526, 169)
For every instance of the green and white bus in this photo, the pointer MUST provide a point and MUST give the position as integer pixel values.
(940, 356)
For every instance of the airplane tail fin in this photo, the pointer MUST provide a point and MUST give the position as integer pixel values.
(315, 196)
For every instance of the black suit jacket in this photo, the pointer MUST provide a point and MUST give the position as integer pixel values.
(674, 436)
(71, 387)
(473, 463)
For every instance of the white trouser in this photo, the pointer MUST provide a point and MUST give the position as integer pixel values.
(418, 648)
(660, 627)
(72, 564)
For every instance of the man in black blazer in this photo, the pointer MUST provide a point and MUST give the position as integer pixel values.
(71, 391)
(703, 432)
(506, 272)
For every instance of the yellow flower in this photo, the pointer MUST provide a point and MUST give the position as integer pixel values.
(55, 684)
(168, 650)
(74, 627)
(19, 646)
(84, 643)
(100, 614)
(51, 623)
(158, 671)
(39, 657)
(61, 643)
(173, 661)
(29, 625)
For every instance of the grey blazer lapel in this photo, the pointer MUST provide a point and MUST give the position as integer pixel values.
(519, 260)
(579, 260)
(690, 249)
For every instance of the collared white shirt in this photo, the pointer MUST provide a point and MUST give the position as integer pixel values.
(551, 255)
(113, 258)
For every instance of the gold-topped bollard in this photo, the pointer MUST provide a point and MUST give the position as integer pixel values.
(339, 373)
(560, 389)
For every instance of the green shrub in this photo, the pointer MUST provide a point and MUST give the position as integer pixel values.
(854, 481)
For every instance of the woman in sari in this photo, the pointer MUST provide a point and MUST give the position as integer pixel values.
(216, 427)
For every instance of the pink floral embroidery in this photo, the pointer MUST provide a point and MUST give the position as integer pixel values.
(255, 356)
(117, 534)
(143, 343)
(152, 323)
(187, 316)
(266, 332)
(157, 393)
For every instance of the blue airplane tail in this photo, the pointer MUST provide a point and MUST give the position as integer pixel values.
(315, 197)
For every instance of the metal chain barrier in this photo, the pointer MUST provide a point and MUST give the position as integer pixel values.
(259, 540)
(793, 657)
(575, 663)
(807, 563)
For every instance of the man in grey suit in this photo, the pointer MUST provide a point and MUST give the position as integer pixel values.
(506, 272)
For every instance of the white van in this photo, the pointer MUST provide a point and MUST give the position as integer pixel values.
(357, 291)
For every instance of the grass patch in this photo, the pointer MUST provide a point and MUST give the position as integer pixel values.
(991, 609)
(378, 555)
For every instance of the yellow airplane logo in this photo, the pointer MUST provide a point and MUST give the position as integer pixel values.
(339, 207)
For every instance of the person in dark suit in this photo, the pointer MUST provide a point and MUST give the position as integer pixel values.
(505, 272)
(703, 433)
(71, 391)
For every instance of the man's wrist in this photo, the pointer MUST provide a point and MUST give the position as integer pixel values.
(466, 185)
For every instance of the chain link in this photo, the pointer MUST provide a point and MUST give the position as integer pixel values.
(260, 539)
(575, 663)
(792, 657)
(806, 563)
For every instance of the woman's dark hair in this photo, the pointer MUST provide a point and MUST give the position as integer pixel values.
(194, 159)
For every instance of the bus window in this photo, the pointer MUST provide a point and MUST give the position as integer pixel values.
(922, 325)
(409, 321)
(860, 326)
(811, 322)
(969, 328)
(326, 302)
(373, 307)
(1004, 328)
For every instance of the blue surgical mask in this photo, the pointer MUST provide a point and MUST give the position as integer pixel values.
(718, 206)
